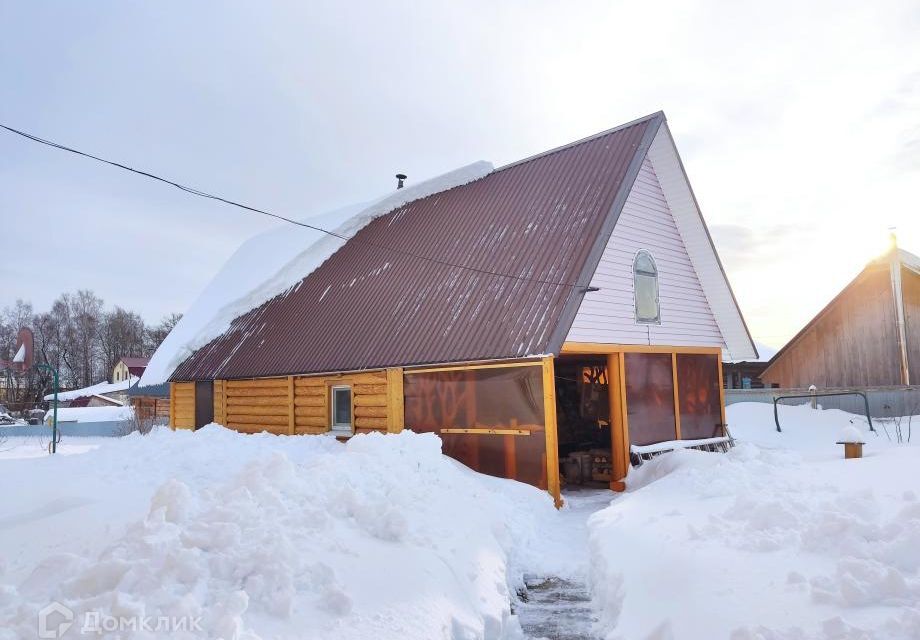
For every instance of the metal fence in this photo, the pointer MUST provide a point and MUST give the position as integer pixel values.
(884, 402)
(73, 429)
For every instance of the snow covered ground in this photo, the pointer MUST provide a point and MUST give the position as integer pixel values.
(779, 539)
(303, 537)
(267, 536)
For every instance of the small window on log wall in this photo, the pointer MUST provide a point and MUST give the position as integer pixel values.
(341, 409)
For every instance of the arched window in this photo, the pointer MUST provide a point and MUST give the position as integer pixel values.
(645, 279)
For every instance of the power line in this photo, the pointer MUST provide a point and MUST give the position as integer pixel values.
(204, 194)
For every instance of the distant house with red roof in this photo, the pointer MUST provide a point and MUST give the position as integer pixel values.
(129, 367)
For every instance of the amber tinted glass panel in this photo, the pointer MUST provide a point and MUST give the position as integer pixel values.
(649, 397)
(698, 392)
(504, 398)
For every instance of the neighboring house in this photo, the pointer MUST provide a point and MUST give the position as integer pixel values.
(95, 400)
(100, 394)
(868, 335)
(129, 367)
(567, 303)
(745, 374)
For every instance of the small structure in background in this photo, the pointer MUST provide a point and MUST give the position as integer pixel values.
(745, 374)
(852, 442)
(102, 394)
(129, 367)
(150, 403)
(867, 336)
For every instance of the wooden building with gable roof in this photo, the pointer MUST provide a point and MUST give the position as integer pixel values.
(572, 300)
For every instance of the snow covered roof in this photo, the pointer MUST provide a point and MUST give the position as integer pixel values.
(272, 262)
(474, 265)
(91, 414)
(100, 388)
(764, 354)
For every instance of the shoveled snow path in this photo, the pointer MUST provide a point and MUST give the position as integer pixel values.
(558, 607)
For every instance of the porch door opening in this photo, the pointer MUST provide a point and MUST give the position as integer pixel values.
(583, 421)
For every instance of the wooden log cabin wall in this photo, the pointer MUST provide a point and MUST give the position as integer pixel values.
(485, 433)
(296, 404)
(498, 418)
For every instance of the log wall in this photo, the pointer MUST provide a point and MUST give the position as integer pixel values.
(301, 404)
(182, 400)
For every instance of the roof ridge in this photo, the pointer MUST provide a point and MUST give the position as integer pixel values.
(593, 136)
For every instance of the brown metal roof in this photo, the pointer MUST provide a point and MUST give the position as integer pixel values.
(527, 238)
(135, 361)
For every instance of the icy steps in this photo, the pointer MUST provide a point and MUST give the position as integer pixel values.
(555, 609)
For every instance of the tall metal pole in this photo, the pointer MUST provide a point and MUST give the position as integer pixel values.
(54, 423)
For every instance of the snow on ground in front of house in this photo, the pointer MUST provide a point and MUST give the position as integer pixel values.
(305, 537)
(18, 447)
(778, 539)
(269, 536)
(272, 262)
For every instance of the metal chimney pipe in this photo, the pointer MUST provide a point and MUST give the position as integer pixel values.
(400, 177)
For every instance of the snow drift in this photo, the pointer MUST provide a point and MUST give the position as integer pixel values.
(273, 536)
(789, 542)
(272, 262)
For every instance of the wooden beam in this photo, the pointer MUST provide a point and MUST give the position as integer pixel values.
(619, 434)
(676, 396)
(601, 348)
(490, 432)
(292, 421)
(510, 456)
(467, 367)
(172, 405)
(552, 436)
(396, 406)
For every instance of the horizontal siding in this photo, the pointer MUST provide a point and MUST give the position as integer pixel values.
(699, 247)
(608, 315)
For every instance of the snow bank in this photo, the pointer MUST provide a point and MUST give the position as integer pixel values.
(269, 536)
(91, 414)
(94, 390)
(784, 541)
(273, 262)
(806, 430)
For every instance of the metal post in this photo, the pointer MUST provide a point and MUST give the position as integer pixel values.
(54, 422)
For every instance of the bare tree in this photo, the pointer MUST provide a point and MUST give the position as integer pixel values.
(78, 338)
(122, 333)
(156, 335)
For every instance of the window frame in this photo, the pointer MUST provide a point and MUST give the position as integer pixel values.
(635, 278)
(339, 427)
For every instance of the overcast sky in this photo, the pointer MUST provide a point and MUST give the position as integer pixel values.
(798, 123)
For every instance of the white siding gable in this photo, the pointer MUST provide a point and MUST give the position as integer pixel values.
(608, 315)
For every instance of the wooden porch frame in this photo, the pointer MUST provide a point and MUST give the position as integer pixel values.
(616, 367)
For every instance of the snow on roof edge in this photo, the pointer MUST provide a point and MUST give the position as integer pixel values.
(291, 262)
(97, 389)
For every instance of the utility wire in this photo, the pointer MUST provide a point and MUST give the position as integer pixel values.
(204, 194)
